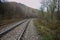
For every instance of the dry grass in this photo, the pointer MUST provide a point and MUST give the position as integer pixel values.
(4, 23)
(48, 31)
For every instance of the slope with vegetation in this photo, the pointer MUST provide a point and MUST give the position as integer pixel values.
(12, 11)
(49, 22)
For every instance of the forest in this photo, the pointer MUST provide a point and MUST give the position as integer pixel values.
(9, 12)
(13, 11)
(49, 22)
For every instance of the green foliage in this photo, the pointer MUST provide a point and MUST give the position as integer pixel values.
(47, 37)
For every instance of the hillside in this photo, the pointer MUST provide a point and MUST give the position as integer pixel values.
(10, 11)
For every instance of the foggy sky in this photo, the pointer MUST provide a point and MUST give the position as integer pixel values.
(31, 3)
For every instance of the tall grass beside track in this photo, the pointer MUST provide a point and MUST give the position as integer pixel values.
(48, 31)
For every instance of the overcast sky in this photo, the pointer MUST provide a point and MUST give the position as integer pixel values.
(31, 3)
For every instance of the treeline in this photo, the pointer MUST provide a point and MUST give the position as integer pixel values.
(51, 9)
(50, 16)
(10, 10)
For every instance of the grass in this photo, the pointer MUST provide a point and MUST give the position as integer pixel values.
(47, 31)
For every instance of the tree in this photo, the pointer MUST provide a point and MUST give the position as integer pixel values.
(58, 9)
(53, 14)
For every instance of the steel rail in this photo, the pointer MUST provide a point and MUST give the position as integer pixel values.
(10, 29)
(22, 33)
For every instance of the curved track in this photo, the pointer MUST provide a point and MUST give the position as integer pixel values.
(15, 32)
(23, 30)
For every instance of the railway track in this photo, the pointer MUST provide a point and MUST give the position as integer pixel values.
(15, 32)
(21, 35)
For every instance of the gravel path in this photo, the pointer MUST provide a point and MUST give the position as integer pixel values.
(14, 34)
(31, 33)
